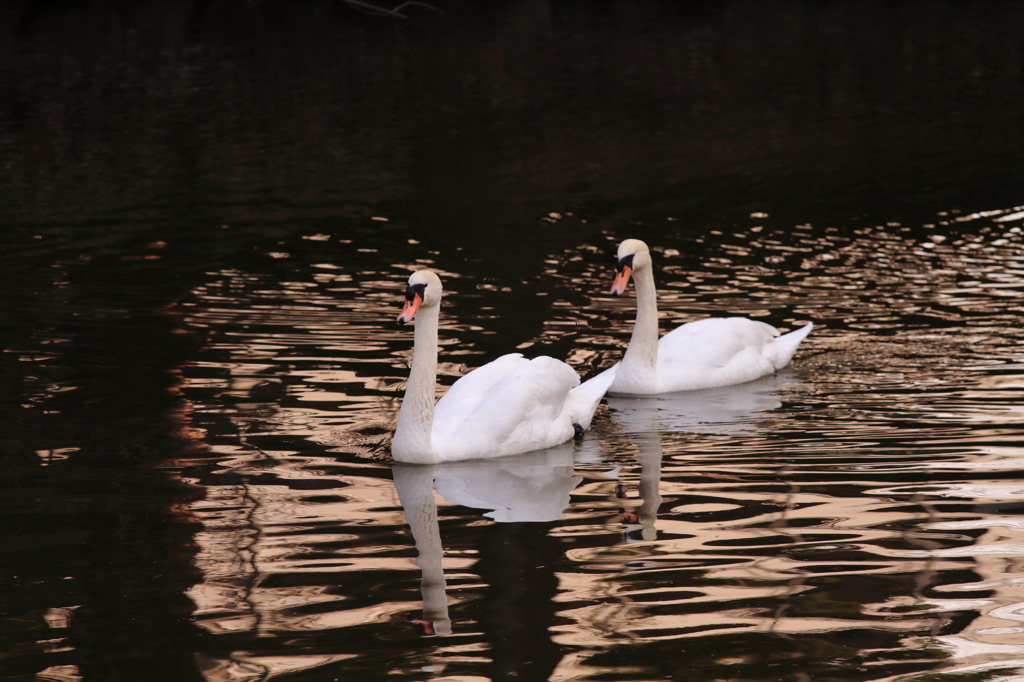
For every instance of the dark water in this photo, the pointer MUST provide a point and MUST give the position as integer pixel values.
(208, 212)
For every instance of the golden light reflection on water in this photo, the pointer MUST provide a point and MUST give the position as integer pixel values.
(859, 509)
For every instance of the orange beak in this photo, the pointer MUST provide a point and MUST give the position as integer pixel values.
(621, 280)
(410, 308)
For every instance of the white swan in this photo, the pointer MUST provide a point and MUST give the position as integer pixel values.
(506, 407)
(702, 354)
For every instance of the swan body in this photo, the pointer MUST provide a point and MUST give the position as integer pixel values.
(702, 354)
(509, 406)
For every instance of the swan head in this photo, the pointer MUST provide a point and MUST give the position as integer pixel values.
(423, 290)
(633, 256)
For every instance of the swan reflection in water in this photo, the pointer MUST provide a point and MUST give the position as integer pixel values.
(708, 410)
(535, 487)
(705, 411)
(529, 488)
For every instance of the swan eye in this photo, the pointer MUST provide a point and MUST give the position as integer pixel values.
(625, 262)
(414, 290)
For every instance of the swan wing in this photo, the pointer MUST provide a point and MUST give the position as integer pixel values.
(467, 393)
(714, 352)
(714, 342)
(522, 411)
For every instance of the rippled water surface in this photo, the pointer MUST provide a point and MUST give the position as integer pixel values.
(859, 514)
(202, 368)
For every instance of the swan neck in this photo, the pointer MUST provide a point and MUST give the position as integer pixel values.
(416, 418)
(643, 344)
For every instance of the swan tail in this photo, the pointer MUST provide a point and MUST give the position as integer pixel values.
(583, 400)
(784, 347)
